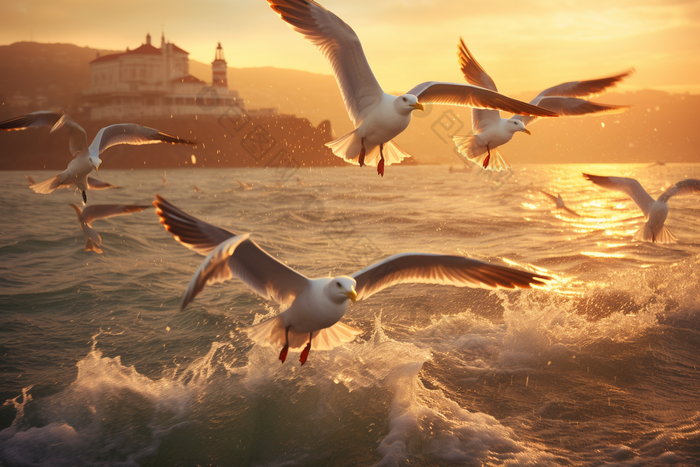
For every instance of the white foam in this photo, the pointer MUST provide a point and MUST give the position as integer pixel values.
(106, 409)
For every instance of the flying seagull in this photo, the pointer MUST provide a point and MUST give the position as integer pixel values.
(654, 211)
(316, 306)
(85, 158)
(489, 130)
(100, 211)
(559, 201)
(378, 117)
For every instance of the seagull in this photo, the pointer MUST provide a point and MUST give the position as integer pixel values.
(378, 117)
(654, 211)
(316, 306)
(85, 158)
(489, 130)
(100, 211)
(559, 201)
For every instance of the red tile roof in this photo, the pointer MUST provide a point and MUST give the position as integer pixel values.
(178, 49)
(188, 79)
(145, 49)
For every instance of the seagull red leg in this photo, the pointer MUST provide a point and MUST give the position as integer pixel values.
(488, 156)
(380, 166)
(285, 349)
(362, 154)
(305, 352)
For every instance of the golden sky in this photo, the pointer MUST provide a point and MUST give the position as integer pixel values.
(525, 46)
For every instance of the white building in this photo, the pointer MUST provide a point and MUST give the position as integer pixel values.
(155, 82)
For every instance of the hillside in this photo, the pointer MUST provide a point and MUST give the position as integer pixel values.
(658, 127)
(58, 72)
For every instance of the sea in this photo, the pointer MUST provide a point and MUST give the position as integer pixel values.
(98, 367)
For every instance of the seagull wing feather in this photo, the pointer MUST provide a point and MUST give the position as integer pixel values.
(585, 88)
(264, 274)
(215, 268)
(440, 269)
(341, 47)
(475, 74)
(77, 141)
(77, 138)
(629, 186)
(130, 133)
(103, 211)
(435, 92)
(570, 107)
(685, 187)
(34, 119)
(95, 184)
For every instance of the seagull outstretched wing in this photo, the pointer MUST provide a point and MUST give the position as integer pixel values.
(428, 268)
(227, 258)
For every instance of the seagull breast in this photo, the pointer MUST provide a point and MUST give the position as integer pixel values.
(313, 309)
(385, 121)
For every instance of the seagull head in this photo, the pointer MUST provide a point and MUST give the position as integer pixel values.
(516, 125)
(407, 103)
(340, 288)
(95, 162)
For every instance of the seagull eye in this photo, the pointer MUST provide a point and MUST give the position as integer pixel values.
(404, 99)
(338, 284)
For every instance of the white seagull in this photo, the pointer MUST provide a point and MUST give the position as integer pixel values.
(317, 305)
(378, 117)
(559, 201)
(85, 158)
(100, 211)
(489, 130)
(654, 211)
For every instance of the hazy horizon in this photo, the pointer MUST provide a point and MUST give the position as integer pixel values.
(545, 44)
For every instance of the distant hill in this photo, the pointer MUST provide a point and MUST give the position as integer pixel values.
(57, 72)
(660, 126)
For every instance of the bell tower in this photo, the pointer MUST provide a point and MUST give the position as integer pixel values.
(218, 69)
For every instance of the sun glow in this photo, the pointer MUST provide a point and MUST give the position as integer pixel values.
(598, 254)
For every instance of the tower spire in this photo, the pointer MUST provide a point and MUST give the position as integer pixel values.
(218, 68)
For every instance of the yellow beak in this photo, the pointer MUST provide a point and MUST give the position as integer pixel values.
(352, 295)
(526, 131)
(417, 106)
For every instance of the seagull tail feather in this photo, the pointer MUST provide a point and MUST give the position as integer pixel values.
(47, 186)
(472, 148)
(331, 337)
(347, 147)
(269, 332)
(645, 234)
(272, 333)
(393, 154)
